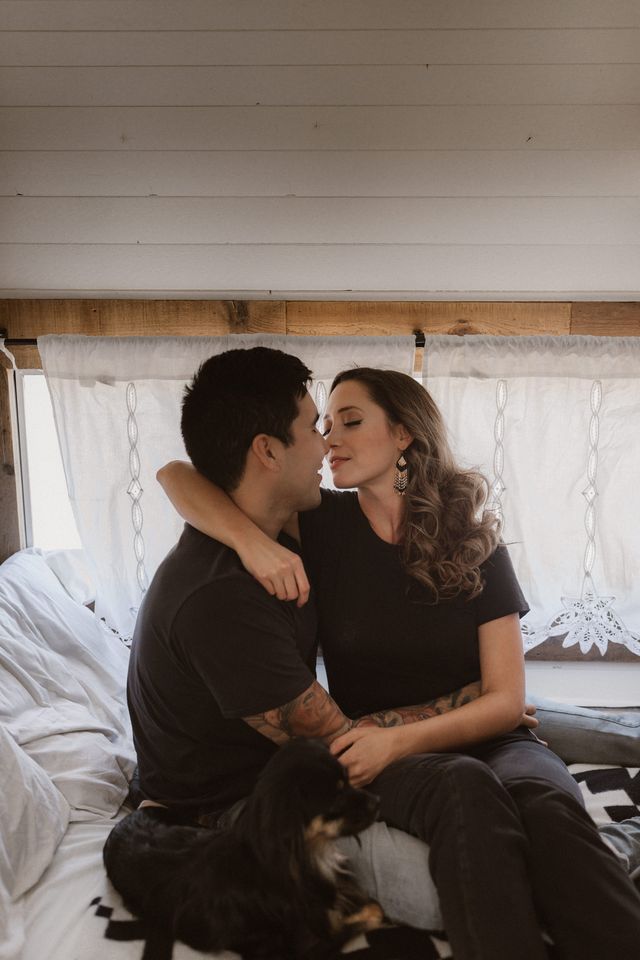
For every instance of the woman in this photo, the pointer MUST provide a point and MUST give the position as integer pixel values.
(417, 598)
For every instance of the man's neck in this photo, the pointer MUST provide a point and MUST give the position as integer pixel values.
(270, 517)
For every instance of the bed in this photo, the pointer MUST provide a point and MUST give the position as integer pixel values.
(67, 759)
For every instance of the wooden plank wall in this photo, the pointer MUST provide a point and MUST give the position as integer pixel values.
(344, 149)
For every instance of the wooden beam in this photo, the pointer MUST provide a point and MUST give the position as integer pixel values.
(365, 318)
(28, 319)
(606, 319)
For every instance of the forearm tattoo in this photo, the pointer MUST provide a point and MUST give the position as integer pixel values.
(422, 711)
(313, 714)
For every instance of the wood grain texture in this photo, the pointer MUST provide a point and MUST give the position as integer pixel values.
(606, 319)
(362, 318)
(29, 319)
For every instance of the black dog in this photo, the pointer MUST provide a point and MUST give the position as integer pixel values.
(272, 885)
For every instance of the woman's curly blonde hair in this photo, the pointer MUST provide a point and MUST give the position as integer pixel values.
(447, 531)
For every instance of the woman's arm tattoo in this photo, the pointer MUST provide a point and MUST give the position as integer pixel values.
(421, 711)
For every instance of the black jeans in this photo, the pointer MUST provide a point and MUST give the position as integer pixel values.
(512, 850)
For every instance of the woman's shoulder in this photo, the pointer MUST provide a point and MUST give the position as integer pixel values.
(498, 559)
(501, 592)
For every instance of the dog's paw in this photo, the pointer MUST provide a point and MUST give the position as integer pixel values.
(369, 917)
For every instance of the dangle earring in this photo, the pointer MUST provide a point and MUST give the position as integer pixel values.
(400, 478)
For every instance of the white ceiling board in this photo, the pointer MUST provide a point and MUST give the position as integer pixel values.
(329, 128)
(276, 220)
(355, 269)
(474, 296)
(310, 14)
(336, 173)
(254, 47)
(311, 85)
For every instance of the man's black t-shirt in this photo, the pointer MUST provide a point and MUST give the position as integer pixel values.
(210, 647)
(384, 643)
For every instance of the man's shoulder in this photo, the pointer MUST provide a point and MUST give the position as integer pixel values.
(196, 563)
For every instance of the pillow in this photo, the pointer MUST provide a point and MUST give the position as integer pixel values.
(584, 735)
(72, 570)
(62, 688)
(33, 819)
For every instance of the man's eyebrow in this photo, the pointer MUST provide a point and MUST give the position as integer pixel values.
(316, 418)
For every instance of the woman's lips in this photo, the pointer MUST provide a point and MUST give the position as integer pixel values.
(335, 463)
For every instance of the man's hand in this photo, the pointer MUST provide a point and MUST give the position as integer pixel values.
(280, 571)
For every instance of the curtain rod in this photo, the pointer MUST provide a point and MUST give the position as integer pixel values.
(25, 342)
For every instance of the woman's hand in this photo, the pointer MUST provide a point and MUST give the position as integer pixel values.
(529, 721)
(365, 751)
(280, 571)
(210, 510)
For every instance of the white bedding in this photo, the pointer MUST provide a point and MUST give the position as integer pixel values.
(65, 738)
(61, 688)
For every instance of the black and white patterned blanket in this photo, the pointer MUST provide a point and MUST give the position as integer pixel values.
(610, 794)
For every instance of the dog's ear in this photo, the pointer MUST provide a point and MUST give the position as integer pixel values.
(273, 824)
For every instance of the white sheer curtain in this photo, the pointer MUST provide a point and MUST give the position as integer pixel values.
(116, 404)
(554, 423)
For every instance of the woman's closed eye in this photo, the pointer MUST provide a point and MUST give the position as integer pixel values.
(348, 423)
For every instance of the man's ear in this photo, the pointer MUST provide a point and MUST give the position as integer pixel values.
(265, 449)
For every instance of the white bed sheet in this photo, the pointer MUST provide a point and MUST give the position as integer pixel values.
(60, 922)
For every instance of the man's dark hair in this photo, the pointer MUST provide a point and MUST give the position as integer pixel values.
(233, 397)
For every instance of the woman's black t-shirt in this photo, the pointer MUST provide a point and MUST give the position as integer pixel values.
(384, 643)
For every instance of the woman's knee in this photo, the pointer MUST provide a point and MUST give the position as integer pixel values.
(465, 778)
(465, 800)
(540, 801)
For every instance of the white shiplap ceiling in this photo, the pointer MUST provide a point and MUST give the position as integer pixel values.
(337, 149)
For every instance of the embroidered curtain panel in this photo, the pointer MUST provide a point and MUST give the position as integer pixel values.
(554, 423)
(116, 404)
